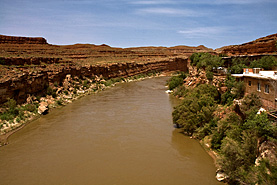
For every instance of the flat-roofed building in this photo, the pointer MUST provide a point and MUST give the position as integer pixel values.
(263, 83)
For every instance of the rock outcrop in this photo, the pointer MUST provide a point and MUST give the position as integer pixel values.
(264, 45)
(28, 61)
(22, 40)
(20, 82)
(43, 108)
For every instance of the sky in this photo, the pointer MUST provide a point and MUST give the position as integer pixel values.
(131, 23)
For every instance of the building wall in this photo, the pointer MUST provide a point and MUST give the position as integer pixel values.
(268, 99)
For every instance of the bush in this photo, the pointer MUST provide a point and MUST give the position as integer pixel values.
(85, 84)
(210, 75)
(108, 82)
(180, 91)
(59, 102)
(30, 107)
(11, 110)
(174, 82)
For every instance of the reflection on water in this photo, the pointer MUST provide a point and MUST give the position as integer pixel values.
(123, 135)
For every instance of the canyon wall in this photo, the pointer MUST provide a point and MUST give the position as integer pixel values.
(264, 45)
(18, 61)
(17, 83)
(22, 40)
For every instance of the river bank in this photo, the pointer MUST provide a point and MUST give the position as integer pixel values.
(58, 96)
(124, 132)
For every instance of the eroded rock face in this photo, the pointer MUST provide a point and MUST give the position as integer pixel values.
(17, 83)
(267, 150)
(264, 45)
(22, 40)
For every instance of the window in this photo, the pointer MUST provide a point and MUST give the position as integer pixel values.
(266, 88)
(259, 86)
(246, 71)
(249, 83)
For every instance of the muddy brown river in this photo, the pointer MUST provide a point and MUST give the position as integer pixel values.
(120, 136)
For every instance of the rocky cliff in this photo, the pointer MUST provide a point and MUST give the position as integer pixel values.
(264, 45)
(22, 40)
(19, 82)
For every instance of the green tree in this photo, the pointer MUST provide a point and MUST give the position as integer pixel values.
(197, 110)
(176, 81)
(266, 62)
(238, 158)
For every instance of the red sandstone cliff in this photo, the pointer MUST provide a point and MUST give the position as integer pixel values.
(22, 40)
(264, 45)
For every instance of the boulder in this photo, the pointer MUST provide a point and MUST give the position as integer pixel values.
(67, 80)
(43, 108)
(221, 176)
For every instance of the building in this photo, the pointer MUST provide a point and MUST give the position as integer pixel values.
(263, 83)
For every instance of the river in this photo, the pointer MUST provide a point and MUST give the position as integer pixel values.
(121, 136)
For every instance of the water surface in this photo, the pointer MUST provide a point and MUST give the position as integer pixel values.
(121, 136)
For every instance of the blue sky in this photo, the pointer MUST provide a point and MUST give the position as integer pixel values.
(129, 23)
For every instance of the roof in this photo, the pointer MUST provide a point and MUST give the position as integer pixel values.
(267, 75)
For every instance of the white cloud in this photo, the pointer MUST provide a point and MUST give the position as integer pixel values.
(153, 2)
(202, 32)
(168, 11)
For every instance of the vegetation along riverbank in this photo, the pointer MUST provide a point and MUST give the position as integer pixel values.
(15, 116)
(228, 122)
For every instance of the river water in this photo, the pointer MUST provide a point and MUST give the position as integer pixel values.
(120, 136)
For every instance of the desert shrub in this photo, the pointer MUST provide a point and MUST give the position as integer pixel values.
(51, 92)
(11, 110)
(108, 82)
(18, 119)
(86, 84)
(30, 107)
(59, 102)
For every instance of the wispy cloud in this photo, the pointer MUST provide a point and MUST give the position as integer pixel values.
(223, 2)
(153, 2)
(168, 11)
(202, 32)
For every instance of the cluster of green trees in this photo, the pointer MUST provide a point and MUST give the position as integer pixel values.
(266, 62)
(210, 62)
(176, 81)
(11, 110)
(206, 61)
(195, 114)
(237, 139)
(235, 90)
(237, 136)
